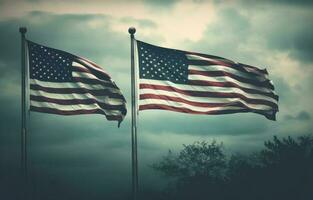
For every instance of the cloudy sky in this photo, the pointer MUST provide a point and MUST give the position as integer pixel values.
(88, 157)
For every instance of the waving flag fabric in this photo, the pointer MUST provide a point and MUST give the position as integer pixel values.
(196, 83)
(65, 84)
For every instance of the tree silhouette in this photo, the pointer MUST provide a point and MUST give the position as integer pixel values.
(282, 170)
(199, 169)
(288, 168)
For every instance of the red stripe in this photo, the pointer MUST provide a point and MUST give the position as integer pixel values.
(237, 66)
(99, 75)
(255, 82)
(79, 101)
(192, 103)
(75, 112)
(215, 112)
(231, 84)
(94, 82)
(209, 62)
(216, 60)
(91, 63)
(102, 92)
(177, 99)
(262, 71)
(208, 94)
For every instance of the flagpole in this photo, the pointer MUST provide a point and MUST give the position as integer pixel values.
(23, 31)
(132, 32)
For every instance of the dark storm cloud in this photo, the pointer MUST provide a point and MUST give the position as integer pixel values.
(161, 3)
(286, 25)
(297, 39)
(10, 40)
(9, 131)
(198, 125)
(301, 116)
(302, 3)
(63, 32)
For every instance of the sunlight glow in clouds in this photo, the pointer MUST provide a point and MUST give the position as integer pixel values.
(172, 27)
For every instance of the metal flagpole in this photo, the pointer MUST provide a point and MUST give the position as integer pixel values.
(132, 31)
(23, 31)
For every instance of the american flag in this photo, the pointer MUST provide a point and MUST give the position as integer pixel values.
(197, 83)
(65, 84)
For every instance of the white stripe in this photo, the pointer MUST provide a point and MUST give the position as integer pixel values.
(85, 75)
(73, 107)
(197, 57)
(207, 89)
(204, 99)
(71, 85)
(89, 65)
(102, 99)
(183, 105)
(249, 69)
(226, 69)
(78, 65)
(227, 79)
(252, 70)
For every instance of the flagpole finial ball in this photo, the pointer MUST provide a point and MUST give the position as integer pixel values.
(132, 30)
(23, 30)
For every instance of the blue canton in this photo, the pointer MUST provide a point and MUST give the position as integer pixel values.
(162, 64)
(47, 64)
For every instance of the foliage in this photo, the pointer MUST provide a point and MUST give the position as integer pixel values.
(198, 159)
(282, 170)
